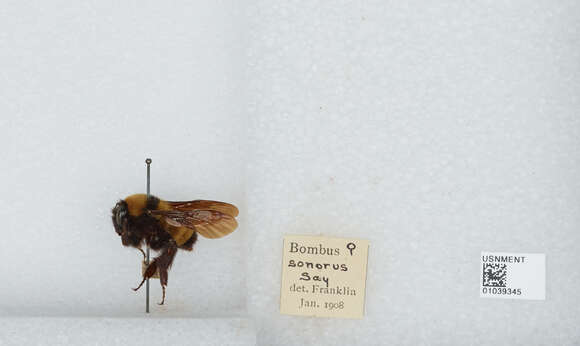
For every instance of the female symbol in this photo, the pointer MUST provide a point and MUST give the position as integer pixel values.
(350, 247)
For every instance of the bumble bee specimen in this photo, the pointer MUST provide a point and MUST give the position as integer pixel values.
(167, 226)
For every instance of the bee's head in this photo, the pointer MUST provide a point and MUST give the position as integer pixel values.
(129, 236)
(120, 217)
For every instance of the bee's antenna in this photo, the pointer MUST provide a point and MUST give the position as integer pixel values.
(148, 162)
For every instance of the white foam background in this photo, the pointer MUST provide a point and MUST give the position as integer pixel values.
(433, 129)
(127, 331)
(89, 90)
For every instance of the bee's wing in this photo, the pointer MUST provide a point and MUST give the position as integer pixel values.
(225, 208)
(208, 223)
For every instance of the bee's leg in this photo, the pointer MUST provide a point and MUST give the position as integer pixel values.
(164, 262)
(149, 272)
(163, 299)
(143, 252)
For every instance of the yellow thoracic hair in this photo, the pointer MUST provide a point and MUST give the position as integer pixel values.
(138, 202)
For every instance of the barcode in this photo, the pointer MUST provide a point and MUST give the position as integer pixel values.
(494, 274)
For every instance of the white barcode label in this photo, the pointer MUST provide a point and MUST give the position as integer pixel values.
(513, 275)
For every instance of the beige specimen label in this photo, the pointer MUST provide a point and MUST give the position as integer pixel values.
(323, 276)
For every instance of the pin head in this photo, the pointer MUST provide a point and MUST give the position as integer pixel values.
(148, 161)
